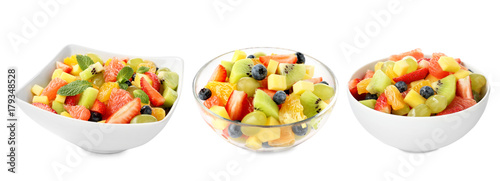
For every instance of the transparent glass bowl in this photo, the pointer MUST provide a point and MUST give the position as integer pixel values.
(287, 139)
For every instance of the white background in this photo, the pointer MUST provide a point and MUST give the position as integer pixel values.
(187, 149)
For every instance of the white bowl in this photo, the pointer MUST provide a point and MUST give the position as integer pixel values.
(416, 134)
(92, 136)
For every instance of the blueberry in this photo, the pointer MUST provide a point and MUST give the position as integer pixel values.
(146, 110)
(250, 56)
(371, 96)
(426, 91)
(259, 72)
(401, 86)
(204, 94)
(299, 131)
(234, 131)
(266, 145)
(133, 77)
(324, 82)
(95, 116)
(279, 97)
(300, 58)
(128, 83)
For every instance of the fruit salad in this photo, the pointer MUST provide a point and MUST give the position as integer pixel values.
(263, 92)
(120, 91)
(409, 84)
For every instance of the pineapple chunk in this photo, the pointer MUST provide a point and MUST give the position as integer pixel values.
(401, 67)
(268, 134)
(448, 64)
(66, 114)
(414, 99)
(378, 66)
(67, 77)
(41, 99)
(460, 74)
(238, 55)
(306, 77)
(309, 71)
(276, 82)
(137, 80)
(253, 143)
(218, 123)
(76, 70)
(272, 67)
(71, 61)
(431, 78)
(60, 98)
(36, 89)
(57, 73)
(302, 86)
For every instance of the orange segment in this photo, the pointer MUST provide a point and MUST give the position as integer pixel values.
(105, 91)
(394, 97)
(362, 86)
(287, 138)
(291, 110)
(417, 85)
(221, 89)
(158, 113)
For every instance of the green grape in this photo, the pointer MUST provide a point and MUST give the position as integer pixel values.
(401, 112)
(421, 110)
(98, 80)
(95, 58)
(143, 118)
(248, 85)
(131, 89)
(134, 63)
(164, 69)
(386, 65)
(477, 82)
(254, 118)
(259, 54)
(436, 103)
(413, 65)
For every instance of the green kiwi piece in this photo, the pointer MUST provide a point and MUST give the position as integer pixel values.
(88, 97)
(477, 82)
(446, 87)
(378, 83)
(169, 79)
(241, 68)
(91, 71)
(312, 104)
(370, 103)
(58, 107)
(293, 73)
(262, 102)
(228, 66)
(400, 112)
(323, 91)
(170, 96)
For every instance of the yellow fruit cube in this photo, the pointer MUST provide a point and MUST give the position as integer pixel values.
(41, 99)
(378, 66)
(362, 86)
(302, 86)
(64, 113)
(272, 67)
(253, 143)
(238, 55)
(147, 63)
(276, 82)
(417, 85)
(67, 77)
(309, 71)
(431, 78)
(36, 89)
(307, 77)
(137, 80)
(71, 61)
(219, 123)
(401, 67)
(414, 99)
(268, 134)
(460, 74)
(76, 70)
(448, 64)
(60, 98)
(57, 73)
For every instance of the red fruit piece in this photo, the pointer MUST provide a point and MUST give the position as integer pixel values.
(413, 76)
(382, 105)
(125, 114)
(219, 74)
(263, 82)
(213, 101)
(64, 67)
(434, 67)
(458, 104)
(51, 90)
(154, 78)
(78, 112)
(279, 58)
(111, 70)
(155, 97)
(315, 80)
(44, 107)
(72, 100)
(117, 99)
(268, 92)
(353, 88)
(405, 93)
(237, 105)
(459, 61)
(99, 107)
(249, 107)
(417, 54)
(368, 74)
(464, 88)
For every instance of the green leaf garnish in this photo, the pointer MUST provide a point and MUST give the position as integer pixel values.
(74, 88)
(141, 95)
(123, 85)
(142, 69)
(84, 61)
(124, 74)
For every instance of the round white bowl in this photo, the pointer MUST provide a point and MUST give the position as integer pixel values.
(92, 136)
(416, 134)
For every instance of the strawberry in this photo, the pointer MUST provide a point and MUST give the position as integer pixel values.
(353, 88)
(44, 107)
(64, 67)
(413, 76)
(125, 114)
(458, 104)
(268, 92)
(155, 97)
(368, 74)
(417, 54)
(219, 74)
(464, 88)
(72, 100)
(154, 79)
(382, 105)
(99, 107)
(315, 80)
(434, 67)
(263, 82)
(279, 58)
(213, 101)
(78, 112)
(237, 105)
(117, 99)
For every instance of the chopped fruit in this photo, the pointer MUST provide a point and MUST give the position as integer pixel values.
(302, 86)
(221, 89)
(382, 105)
(170, 95)
(276, 82)
(361, 87)
(36, 89)
(323, 91)
(435, 69)
(402, 86)
(219, 74)
(420, 111)
(478, 81)
(413, 76)
(369, 103)
(436, 103)
(378, 66)
(158, 113)
(427, 91)
(64, 113)
(238, 55)
(88, 97)
(248, 85)
(378, 83)
(44, 107)
(72, 100)
(218, 123)
(51, 90)
(289, 59)
(111, 70)
(105, 91)
(253, 142)
(67, 77)
(58, 107)
(40, 99)
(236, 105)
(412, 64)
(448, 64)
(126, 113)
(403, 111)
(64, 67)
(253, 118)
(291, 110)
(464, 89)
(458, 104)
(99, 107)
(315, 80)
(279, 97)
(78, 112)
(139, 76)
(368, 74)
(117, 99)
(423, 64)
(155, 97)
(268, 92)
(155, 82)
(148, 64)
(414, 99)
(91, 71)
(213, 101)
(76, 70)
(228, 66)
(259, 72)
(309, 71)
(268, 134)
(353, 88)
(272, 66)
(401, 67)
(293, 73)
(312, 104)
(263, 102)
(417, 54)
(287, 138)
(241, 68)
(446, 87)
(417, 85)
(460, 74)
(394, 97)
(60, 98)
(431, 78)
(71, 61)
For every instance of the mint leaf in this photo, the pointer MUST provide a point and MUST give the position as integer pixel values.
(124, 74)
(74, 88)
(141, 95)
(84, 61)
(142, 69)
(123, 85)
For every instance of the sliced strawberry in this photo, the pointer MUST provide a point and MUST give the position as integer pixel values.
(434, 67)
(44, 107)
(423, 64)
(413, 76)
(263, 82)
(72, 100)
(458, 104)
(78, 112)
(353, 88)
(213, 101)
(237, 105)
(268, 92)
(368, 74)
(155, 81)
(464, 88)
(219, 74)
(99, 107)
(279, 58)
(125, 114)
(417, 54)
(315, 80)
(155, 97)
(117, 99)
(64, 67)
(382, 105)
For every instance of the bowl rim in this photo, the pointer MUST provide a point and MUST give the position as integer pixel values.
(97, 52)
(486, 94)
(320, 114)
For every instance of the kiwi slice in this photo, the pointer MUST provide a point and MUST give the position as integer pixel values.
(312, 104)
(370, 103)
(90, 71)
(477, 82)
(263, 102)
(293, 73)
(323, 91)
(378, 83)
(170, 96)
(58, 107)
(169, 79)
(88, 97)
(446, 87)
(228, 66)
(242, 68)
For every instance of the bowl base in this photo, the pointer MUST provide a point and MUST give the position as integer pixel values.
(413, 151)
